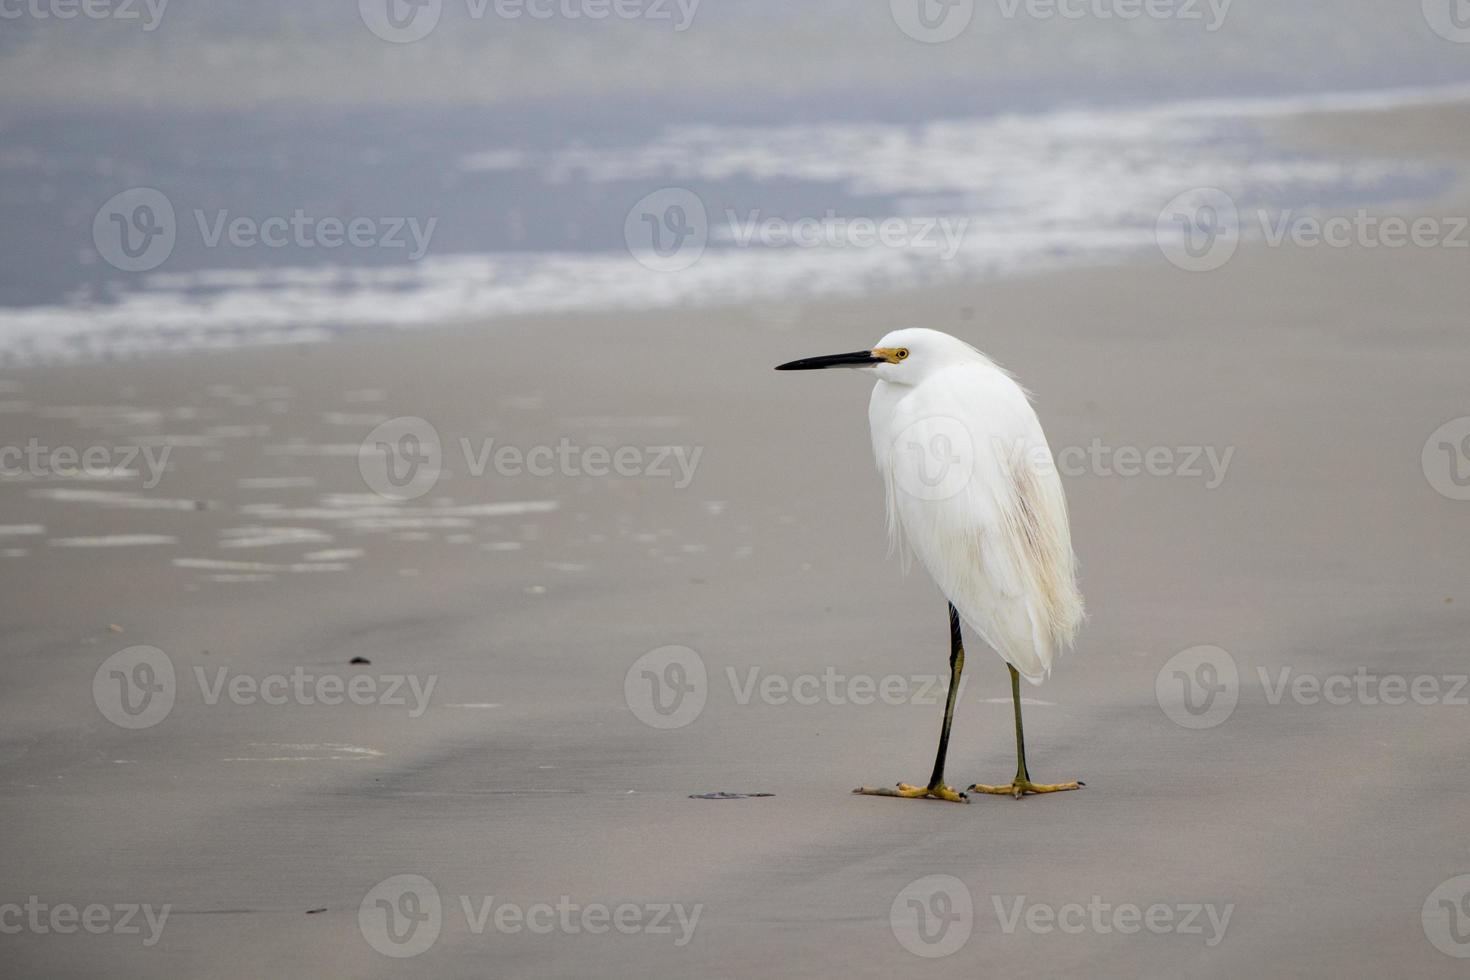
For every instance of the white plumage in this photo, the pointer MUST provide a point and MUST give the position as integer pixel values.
(973, 492)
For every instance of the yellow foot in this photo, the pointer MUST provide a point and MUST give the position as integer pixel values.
(907, 792)
(1021, 787)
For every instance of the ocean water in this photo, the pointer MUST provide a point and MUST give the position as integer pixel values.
(242, 175)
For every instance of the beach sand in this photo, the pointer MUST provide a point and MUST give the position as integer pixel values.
(1323, 550)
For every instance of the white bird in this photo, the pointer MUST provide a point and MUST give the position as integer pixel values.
(973, 492)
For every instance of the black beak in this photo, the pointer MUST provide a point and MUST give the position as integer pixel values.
(860, 358)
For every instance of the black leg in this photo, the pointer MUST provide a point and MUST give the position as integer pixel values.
(956, 666)
(936, 789)
(1022, 776)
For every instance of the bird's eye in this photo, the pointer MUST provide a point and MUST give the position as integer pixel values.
(903, 353)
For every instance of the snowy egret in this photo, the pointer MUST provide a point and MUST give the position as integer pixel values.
(973, 492)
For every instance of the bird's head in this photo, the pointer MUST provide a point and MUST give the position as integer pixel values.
(902, 357)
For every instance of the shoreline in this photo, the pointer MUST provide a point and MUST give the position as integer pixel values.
(235, 308)
(531, 775)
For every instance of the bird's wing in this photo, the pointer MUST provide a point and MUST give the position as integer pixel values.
(974, 493)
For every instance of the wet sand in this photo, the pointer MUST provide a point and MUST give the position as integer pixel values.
(530, 775)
